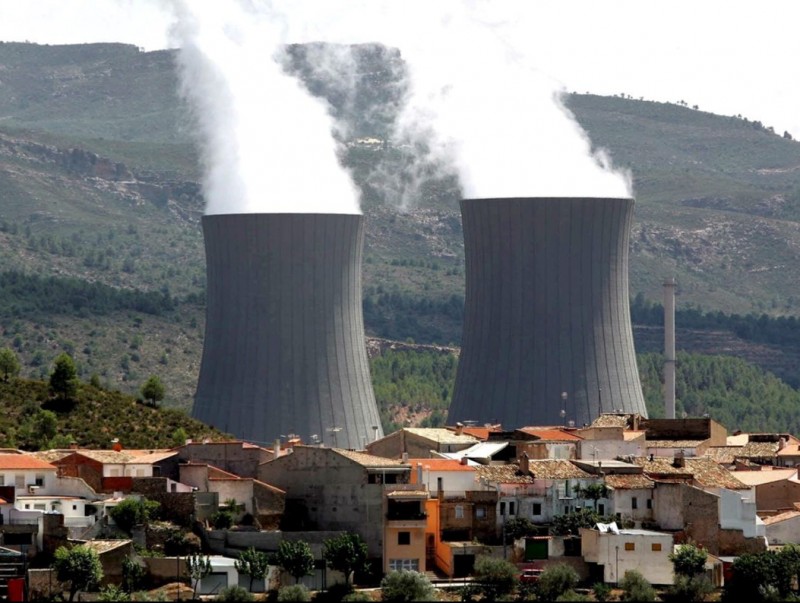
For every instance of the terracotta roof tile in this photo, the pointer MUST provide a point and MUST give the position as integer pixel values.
(781, 517)
(369, 460)
(23, 461)
(503, 474)
(441, 435)
(440, 465)
(551, 433)
(704, 471)
(628, 481)
(556, 469)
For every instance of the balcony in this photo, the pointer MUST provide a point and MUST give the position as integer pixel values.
(406, 519)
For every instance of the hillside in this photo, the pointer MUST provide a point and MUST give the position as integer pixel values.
(99, 187)
(92, 419)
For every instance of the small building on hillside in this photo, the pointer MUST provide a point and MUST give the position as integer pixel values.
(420, 442)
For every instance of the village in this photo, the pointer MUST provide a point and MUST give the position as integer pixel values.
(431, 500)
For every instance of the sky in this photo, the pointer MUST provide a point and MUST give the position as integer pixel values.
(484, 87)
(728, 57)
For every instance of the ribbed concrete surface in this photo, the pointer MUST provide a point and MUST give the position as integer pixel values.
(547, 312)
(284, 348)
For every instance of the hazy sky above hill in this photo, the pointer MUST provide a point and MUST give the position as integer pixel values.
(726, 56)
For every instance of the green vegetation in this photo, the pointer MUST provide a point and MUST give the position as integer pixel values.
(153, 390)
(346, 553)
(494, 577)
(78, 567)
(636, 588)
(295, 592)
(295, 558)
(407, 586)
(555, 581)
(94, 417)
(133, 512)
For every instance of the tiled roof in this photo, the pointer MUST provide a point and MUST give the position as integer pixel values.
(756, 478)
(23, 461)
(441, 435)
(628, 481)
(103, 546)
(705, 471)
(758, 450)
(440, 465)
(674, 443)
(724, 455)
(369, 460)
(551, 433)
(781, 517)
(556, 469)
(611, 420)
(503, 474)
(51, 456)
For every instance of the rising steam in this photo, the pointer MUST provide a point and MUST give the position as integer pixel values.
(266, 143)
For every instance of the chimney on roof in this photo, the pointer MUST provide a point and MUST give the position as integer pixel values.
(277, 448)
(781, 443)
(73, 445)
(115, 445)
(524, 465)
(680, 459)
(459, 428)
(404, 457)
(464, 460)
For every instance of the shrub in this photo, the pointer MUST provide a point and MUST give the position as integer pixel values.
(222, 520)
(636, 588)
(496, 577)
(688, 560)
(113, 593)
(132, 512)
(234, 593)
(556, 580)
(602, 591)
(690, 588)
(406, 586)
(295, 592)
(356, 596)
(571, 595)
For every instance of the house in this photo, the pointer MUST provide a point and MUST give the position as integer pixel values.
(419, 442)
(405, 526)
(611, 436)
(706, 503)
(615, 551)
(482, 453)
(776, 490)
(236, 457)
(547, 442)
(783, 528)
(535, 489)
(629, 492)
(27, 474)
(114, 470)
(111, 554)
(689, 437)
(78, 512)
(745, 450)
(264, 502)
(335, 489)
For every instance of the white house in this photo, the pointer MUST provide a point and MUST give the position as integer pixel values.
(72, 508)
(27, 474)
(619, 551)
(783, 528)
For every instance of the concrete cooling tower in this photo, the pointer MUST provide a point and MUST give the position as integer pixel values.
(547, 333)
(284, 347)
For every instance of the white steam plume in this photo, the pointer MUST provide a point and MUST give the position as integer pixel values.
(480, 105)
(266, 143)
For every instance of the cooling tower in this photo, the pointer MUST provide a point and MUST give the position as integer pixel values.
(547, 333)
(284, 347)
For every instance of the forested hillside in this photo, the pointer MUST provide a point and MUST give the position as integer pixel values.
(102, 251)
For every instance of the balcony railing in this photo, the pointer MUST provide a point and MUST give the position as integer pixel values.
(406, 516)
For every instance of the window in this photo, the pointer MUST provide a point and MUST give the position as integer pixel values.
(502, 508)
(630, 546)
(634, 502)
(601, 509)
(459, 511)
(74, 507)
(537, 509)
(649, 503)
(439, 484)
(2, 480)
(404, 538)
(404, 564)
(39, 480)
(656, 546)
(480, 512)
(511, 509)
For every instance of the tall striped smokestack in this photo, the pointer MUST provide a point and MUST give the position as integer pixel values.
(546, 312)
(669, 348)
(284, 348)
